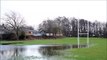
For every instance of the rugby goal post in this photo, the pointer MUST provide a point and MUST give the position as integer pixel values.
(87, 33)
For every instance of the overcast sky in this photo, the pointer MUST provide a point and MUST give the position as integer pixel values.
(35, 12)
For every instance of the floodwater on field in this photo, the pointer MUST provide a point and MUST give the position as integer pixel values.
(35, 52)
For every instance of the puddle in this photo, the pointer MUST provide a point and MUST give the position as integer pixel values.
(34, 52)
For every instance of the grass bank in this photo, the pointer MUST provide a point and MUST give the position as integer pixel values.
(71, 40)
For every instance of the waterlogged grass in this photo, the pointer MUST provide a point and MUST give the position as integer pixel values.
(71, 40)
(96, 51)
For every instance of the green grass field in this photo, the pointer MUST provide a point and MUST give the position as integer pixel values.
(96, 51)
(72, 40)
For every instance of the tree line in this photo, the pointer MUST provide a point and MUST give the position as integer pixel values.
(14, 25)
(69, 27)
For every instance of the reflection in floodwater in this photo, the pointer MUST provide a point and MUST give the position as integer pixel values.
(33, 52)
(52, 50)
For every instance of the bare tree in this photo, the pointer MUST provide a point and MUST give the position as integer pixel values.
(13, 23)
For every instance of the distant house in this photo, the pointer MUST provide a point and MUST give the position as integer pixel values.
(33, 33)
(36, 34)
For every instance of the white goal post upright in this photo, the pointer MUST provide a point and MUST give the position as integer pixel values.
(78, 33)
(88, 34)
